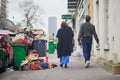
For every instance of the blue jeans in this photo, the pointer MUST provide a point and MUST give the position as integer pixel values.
(64, 59)
(87, 45)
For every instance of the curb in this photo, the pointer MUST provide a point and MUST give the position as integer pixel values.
(109, 66)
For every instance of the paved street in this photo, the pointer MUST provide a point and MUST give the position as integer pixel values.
(75, 71)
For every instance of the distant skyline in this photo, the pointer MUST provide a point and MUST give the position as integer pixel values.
(50, 8)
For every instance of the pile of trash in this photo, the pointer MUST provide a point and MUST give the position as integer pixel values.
(33, 62)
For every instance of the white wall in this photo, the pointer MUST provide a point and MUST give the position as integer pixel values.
(96, 23)
(101, 26)
(114, 29)
(107, 20)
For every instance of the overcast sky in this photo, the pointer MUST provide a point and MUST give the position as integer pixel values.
(50, 8)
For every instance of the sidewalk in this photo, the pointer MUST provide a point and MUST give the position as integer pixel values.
(75, 71)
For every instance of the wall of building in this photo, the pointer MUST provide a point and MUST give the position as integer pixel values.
(80, 12)
(106, 17)
(89, 8)
(100, 19)
(114, 26)
(3, 7)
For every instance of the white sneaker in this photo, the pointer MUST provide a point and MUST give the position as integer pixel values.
(87, 64)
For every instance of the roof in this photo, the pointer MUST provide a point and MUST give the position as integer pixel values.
(6, 24)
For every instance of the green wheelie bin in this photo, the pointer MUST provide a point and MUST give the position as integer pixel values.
(19, 51)
(51, 47)
(3, 60)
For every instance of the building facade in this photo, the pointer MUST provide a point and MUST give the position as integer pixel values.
(71, 5)
(105, 17)
(52, 27)
(3, 8)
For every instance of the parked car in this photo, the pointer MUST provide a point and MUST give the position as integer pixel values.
(6, 53)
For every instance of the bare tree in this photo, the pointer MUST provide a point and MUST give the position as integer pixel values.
(31, 11)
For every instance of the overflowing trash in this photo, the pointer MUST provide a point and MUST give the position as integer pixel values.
(25, 50)
(33, 62)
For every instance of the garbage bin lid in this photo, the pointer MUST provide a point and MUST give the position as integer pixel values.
(34, 51)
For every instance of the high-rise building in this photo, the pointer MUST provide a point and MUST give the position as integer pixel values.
(52, 26)
(3, 8)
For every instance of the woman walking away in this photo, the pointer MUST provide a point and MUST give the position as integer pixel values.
(65, 45)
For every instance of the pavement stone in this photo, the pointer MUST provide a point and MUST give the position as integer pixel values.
(75, 71)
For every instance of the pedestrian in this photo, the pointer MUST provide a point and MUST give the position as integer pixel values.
(70, 30)
(64, 45)
(86, 33)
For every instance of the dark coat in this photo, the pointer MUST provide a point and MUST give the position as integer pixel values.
(65, 45)
(87, 31)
